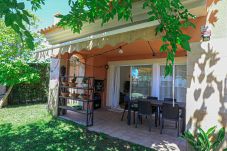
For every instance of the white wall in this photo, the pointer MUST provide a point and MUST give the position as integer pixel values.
(206, 104)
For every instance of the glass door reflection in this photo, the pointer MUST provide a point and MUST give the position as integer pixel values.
(141, 81)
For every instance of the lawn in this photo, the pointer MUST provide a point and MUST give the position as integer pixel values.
(24, 128)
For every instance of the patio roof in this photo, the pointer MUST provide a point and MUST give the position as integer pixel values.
(142, 31)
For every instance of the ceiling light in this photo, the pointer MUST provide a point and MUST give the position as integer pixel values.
(120, 51)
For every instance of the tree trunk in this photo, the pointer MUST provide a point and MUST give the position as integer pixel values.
(4, 100)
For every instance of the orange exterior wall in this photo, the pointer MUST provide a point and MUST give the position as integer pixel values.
(99, 72)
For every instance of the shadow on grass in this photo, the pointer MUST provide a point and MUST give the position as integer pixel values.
(58, 135)
(24, 105)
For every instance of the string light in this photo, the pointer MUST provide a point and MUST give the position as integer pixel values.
(120, 51)
(114, 49)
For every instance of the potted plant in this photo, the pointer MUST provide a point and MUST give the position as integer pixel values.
(85, 82)
(74, 95)
(65, 82)
(73, 81)
(65, 93)
(85, 96)
(205, 141)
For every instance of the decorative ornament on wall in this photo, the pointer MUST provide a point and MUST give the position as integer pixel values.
(205, 32)
(120, 51)
(106, 66)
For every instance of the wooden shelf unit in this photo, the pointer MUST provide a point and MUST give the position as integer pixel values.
(87, 109)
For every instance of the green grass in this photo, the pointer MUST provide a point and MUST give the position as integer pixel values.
(25, 128)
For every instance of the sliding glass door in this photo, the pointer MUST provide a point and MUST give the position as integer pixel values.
(141, 81)
(166, 83)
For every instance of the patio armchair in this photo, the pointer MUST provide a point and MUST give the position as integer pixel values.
(134, 107)
(144, 109)
(170, 113)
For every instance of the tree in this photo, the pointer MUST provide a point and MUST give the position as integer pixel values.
(171, 14)
(14, 59)
(17, 17)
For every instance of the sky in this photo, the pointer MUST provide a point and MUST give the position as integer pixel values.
(51, 7)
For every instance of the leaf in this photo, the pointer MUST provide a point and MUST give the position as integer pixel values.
(164, 47)
(152, 18)
(210, 131)
(168, 69)
(184, 42)
(16, 28)
(203, 138)
(159, 29)
(188, 24)
(145, 4)
(8, 20)
(30, 43)
(219, 139)
(150, 12)
(189, 138)
(186, 45)
(26, 13)
(21, 5)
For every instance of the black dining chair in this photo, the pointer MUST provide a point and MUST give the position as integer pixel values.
(144, 109)
(170, 113)
(169, 100)
(134, 107)
(154, 108)
(152, 98)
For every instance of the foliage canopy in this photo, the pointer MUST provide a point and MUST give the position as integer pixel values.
(17, 17)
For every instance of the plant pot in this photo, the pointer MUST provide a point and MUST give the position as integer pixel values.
(85, 96)
(75, 95)
(65, 94)
(71, 84)
(65, 83)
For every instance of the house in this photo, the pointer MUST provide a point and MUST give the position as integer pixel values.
(123, 51)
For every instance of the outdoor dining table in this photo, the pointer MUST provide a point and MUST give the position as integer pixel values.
(158, 104)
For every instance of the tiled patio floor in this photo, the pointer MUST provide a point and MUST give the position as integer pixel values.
(109, 122)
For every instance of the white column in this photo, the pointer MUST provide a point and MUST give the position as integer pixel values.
(156, 80)
(53, 86)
